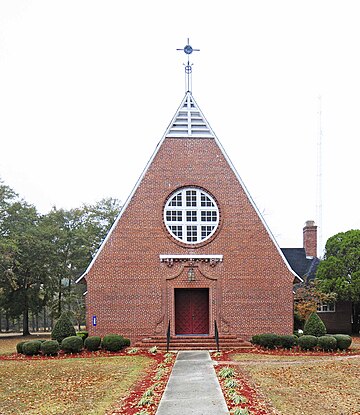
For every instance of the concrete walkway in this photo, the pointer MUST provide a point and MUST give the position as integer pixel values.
(193, 387)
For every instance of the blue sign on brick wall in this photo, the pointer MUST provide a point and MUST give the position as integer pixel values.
(94, 320)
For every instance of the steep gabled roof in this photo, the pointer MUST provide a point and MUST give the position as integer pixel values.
(304, 266)
(189, 122)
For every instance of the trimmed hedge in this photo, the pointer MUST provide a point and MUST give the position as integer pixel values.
(50, 347)
(83, 334)
(92, 343)
(31, 348)
(307, 342)
(343, 341)
(72, 344)
(114, 342)
(268, 340)
(271, 340)
(287, 341)
(326, 343)
(255, 339)
(63, 328)
(314, 326)
(19, 347)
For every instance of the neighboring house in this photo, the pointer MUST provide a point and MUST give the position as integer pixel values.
(336, 317)
(189, 248)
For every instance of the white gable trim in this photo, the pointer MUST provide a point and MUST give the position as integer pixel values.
(137, 184)
(256, 209)
(121, 212)
(170, 133)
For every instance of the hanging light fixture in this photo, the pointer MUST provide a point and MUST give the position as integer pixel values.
(191, 274)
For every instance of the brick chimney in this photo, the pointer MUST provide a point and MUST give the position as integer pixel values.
(310, 238)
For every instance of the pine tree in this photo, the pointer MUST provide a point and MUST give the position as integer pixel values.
(63, 328)
(314, 326)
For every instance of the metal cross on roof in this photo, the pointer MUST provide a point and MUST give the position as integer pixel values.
(188, 49)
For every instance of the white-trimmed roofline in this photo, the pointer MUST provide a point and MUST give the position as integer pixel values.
(130, 195)
(169, 134)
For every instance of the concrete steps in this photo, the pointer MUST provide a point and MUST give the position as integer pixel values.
(226, 342)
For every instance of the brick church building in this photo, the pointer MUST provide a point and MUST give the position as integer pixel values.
(189, 248)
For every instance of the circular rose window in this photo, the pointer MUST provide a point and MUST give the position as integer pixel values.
(191, 215)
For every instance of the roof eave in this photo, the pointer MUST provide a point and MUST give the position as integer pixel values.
(82, 278)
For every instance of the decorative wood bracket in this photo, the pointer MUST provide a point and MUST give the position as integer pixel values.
(212, 260)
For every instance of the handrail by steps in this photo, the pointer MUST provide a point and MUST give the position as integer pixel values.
(216, 336)
(168, 338)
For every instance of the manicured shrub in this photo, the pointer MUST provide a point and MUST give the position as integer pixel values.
(31, 347)
(92, 343)
(126, 342)
(50, 347)
(326, 343)
(113, 342)
(287, 341)
(255, 339)
(314, 326)
(343, 341)
(307, 342)
(83, 335)
(63, 328)
(269, 340)
(19, 347)
(72, 344)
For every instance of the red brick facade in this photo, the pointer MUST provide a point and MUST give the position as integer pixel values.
(131, 292)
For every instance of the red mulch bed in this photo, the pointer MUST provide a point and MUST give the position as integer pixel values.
(129, 405)
(84, 354)
(255, 402)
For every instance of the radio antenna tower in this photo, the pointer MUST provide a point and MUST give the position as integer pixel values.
(319, 180)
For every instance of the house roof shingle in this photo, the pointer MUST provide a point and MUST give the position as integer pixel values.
(304, 266)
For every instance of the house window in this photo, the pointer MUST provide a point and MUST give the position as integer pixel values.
(326, 308)
(191, 215)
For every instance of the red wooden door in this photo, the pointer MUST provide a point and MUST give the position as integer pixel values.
(192, 311)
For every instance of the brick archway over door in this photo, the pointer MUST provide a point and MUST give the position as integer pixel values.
(191, 311)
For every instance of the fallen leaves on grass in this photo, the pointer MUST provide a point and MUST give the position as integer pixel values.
(322, 388)
(71, 386)
(297, 382)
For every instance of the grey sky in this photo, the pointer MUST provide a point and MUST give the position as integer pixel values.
(88, 88)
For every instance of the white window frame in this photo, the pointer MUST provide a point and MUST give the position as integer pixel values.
(196, 224)
(325, 308)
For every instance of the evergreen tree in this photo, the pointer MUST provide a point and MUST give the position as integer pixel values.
(314, 326)
(339, 272)
(24, 272)
(63, 328)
